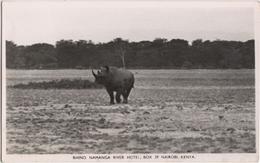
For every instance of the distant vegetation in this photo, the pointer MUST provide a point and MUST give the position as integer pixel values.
(160, 53)
(59, 84)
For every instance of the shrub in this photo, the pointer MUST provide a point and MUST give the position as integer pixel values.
(59, 84)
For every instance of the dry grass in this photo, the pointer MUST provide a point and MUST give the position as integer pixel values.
(176, 120)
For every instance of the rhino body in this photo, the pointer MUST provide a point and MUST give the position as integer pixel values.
(117, 80)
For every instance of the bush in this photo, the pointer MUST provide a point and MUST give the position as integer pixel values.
(59, 84)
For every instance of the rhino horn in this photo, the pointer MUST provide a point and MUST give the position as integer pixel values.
(107, 68)
(95, 75)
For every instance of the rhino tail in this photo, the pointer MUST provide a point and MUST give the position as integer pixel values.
(133, 83)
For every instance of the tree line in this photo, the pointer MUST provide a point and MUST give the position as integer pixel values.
(159, 53)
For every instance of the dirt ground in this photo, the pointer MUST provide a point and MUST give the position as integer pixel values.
(206, 114)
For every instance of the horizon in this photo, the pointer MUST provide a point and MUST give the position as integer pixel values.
(130, 41)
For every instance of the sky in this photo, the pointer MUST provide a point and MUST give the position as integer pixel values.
(26, 23)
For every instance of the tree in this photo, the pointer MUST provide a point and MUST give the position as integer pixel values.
(11, 53)
(40, 55)
(248, 54)
(15, 57)
(121, 47)
(67, 54)
(159, 53)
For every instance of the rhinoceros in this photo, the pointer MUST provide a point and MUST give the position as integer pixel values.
(117, 80)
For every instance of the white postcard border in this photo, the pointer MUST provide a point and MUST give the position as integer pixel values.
(184, 157)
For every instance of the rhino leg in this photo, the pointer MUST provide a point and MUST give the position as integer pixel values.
(118, 99)
(126, 94)
(125, 101)
(111, 95)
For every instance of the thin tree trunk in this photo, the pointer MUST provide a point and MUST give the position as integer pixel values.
(123, 59)
(122, 55)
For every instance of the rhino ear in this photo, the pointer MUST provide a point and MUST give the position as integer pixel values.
(107, 68)
(95, 75)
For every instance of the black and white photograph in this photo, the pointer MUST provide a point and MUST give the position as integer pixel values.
(128, 77)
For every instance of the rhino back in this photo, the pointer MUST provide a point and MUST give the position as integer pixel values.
(122, 77)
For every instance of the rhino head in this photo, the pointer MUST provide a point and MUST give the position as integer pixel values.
(102, 75)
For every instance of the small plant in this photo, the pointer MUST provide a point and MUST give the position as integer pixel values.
(59, 84)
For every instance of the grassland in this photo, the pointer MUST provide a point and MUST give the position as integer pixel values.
(169, 111)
